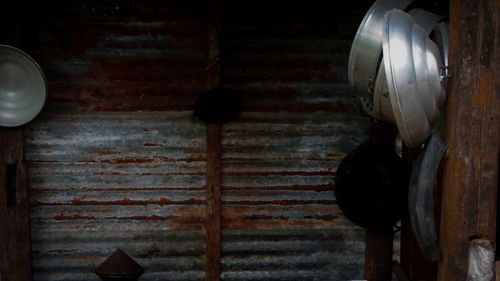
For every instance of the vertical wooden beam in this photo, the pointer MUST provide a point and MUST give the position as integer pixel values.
(15, 243)
(214, 168)
(413, 262)
(214, 182)
(378, 255)
(470, 173)
(214, 44)
(379, 245)
(15, 235)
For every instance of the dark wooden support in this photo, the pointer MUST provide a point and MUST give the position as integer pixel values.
(470, 175)
(413, 262)
(379, 245)
(214, 182)
(214, 168)
(15, 243)
(15, 236)
(378, 256)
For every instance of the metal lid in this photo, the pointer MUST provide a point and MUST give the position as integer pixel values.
(440, 37)
(367, 46)
(119, 265)
(411, 63)
(23, 87)
(382, 108)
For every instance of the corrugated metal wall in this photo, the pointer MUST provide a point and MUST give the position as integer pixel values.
(106, 180)
(280, 218)
(116, 159)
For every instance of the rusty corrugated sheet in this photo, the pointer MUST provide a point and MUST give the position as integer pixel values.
(121, 55)
(298, 254)
(107, 168)
(280, 217)
(105, 180)
(279, 209)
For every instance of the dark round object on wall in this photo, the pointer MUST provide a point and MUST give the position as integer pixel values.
(371, 187)
(217, 105)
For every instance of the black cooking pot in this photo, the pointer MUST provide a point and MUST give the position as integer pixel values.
(372, 186)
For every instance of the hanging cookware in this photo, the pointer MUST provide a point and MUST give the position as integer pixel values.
(371, 186)
(367, 47)
(366, 67)
(421, 196)
(440, 37)
(412, 68)
(382, 108)
(23, 87)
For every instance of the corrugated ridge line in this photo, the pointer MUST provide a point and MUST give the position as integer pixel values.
(298, 254)
(106, 180)
(294, 62)
(279, 169)
(108, 56)
(59, 255)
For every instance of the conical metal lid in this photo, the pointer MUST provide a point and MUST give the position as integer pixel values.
(119, 264)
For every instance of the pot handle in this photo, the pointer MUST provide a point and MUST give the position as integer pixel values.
(421, 196)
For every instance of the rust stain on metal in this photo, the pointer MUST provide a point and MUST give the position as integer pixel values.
(233, 218)
(124, 202)
(117, 160)
(189, 218)
(317, 188)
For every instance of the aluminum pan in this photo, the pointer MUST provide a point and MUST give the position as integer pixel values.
(440, 37)
(23, 88)
(382, 108)
(411, 66)
(367, 46)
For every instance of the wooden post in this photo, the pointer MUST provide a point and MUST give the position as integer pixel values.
(379, 245)
(15, 244)
(470, 174)
(214, 169)
(214, 182)
(413, 262)
(15, 236)
(378, 256)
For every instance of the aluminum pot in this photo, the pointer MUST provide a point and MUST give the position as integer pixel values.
(23, 88)
(412, 67)
(367, 47)
(382, 108)
(371, 186)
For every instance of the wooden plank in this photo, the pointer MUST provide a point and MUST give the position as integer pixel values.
(15, 236)
(378, 256)
(214, 167)
(15, 244)
(214, 182)
(472, 132)
(379, 245)
(497, 271)
(413, 262)
(214, 44)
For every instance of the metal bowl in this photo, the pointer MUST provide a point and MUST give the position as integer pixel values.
(440, 37)
(23, 87)
(382, 108)
(367, 46)
(411, 62)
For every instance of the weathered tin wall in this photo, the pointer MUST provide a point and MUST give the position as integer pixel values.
(280, 217)
(116, 160)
